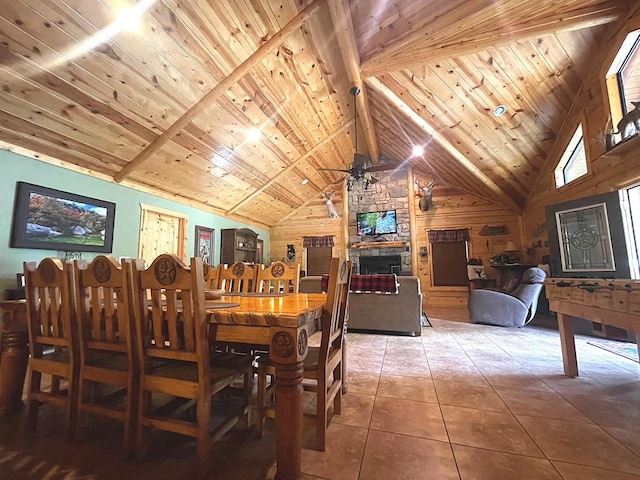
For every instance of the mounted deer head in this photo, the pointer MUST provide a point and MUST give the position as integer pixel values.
(424, 193)
(331, 209)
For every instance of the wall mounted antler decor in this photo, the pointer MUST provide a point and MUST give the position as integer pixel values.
(331, 209)
(425, 192)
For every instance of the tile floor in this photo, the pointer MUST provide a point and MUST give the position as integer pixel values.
(463, 401)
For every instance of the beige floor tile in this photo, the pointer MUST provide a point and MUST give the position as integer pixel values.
(362, 382)
(481, 464)
(571, 471)
(627, 436)
(457, 373)
(538, 403)
(356, 410)
(469, 395)
(606, 410)
(393, 456)
(342, 458)
(408, 417)
(580, 443)
(491, 430)
(408, 388)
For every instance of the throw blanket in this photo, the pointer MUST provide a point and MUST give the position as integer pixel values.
(387, 284)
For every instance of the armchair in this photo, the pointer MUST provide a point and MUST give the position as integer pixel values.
(508, 310)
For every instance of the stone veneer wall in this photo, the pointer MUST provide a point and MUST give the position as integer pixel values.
(390, 193)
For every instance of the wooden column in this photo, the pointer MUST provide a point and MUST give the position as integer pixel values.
(15, 355)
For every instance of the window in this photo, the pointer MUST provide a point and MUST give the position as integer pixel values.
(573, 163)
(630, 203)
(319, 260)
(449, 264)
(623, 78)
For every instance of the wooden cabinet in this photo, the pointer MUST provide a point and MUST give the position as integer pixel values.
(238, 245)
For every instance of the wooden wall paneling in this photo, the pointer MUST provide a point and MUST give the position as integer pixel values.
(453, 209)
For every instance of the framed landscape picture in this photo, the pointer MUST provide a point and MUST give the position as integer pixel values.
(204, 244)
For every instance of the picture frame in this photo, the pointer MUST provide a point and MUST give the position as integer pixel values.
(51, 219)
(203, 245)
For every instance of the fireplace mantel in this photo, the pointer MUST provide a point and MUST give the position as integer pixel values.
(397, 244)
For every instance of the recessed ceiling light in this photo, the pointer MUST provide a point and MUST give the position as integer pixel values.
(499, 110)
(305, 181)
(254, 134)
(418, 150)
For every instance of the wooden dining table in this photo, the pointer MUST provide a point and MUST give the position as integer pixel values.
(284, 323)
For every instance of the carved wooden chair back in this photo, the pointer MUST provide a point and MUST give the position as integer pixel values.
(279, 277)
(237, 278)
(327, 370)
(211, 276)
(50, 313)
(105, 333)
(174, 354)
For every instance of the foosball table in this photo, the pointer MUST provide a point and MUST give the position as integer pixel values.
(609, 302)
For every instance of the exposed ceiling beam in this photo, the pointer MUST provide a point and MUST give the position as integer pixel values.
(288, 168)
(415, 48)
(383, 90)
(270, 45)
(343, 27)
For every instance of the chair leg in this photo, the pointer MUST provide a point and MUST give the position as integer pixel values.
(246, 397)
(321, 415)
(337, 400)
(204, 437)
(31, 412)
(260, 399)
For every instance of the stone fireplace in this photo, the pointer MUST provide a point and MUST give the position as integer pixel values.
(377, 265)
(390, 193)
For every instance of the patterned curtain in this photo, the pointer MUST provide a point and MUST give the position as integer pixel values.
(459, 235)
(326, 241)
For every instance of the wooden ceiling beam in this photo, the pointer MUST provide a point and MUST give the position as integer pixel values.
(345, 35)
(289, 167)
(412, 50)
(210, 97)
(391, 97)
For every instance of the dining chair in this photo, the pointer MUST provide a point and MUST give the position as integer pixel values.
(108, 374)
(48, 291)
(174, 353)
(211, 276)
(237, 278)
(323, 364)
(278, 277)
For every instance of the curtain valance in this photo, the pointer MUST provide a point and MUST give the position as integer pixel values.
(325, 241)
(458, 235)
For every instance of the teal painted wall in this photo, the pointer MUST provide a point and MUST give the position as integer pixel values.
(14, 168)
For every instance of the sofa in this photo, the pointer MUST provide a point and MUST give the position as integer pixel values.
(397, 313)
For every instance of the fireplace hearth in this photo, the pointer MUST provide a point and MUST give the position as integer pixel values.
(380, 264)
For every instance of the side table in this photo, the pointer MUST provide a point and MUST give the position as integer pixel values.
(14, 356)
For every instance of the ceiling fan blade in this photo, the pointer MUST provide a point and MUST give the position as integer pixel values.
(335, 170)
(374, 180)
(380, 168)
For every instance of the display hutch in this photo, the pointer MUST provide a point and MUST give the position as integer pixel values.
(238, 245)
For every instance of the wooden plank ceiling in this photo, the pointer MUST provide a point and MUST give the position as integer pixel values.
(168, 105)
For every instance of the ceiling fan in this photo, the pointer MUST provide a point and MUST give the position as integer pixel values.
(359, 170)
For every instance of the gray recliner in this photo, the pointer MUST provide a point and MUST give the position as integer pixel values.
(508, 310)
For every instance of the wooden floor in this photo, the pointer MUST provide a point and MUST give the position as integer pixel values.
(461, 402)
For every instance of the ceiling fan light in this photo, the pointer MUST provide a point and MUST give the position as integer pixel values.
(254, 134)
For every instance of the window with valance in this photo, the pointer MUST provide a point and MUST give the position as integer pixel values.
(449, 257)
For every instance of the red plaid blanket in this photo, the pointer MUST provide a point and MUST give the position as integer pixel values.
(369, 283)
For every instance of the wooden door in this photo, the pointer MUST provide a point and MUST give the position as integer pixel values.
(162, 231)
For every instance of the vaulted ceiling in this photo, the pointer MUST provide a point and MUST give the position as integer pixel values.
(168, 106)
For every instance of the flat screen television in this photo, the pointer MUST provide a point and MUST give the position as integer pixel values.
(55, 220)
(377, 223)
